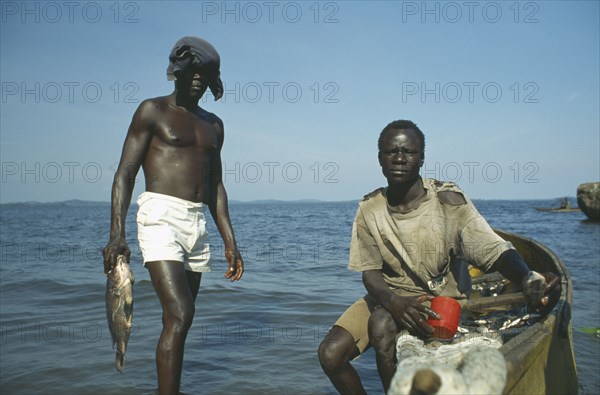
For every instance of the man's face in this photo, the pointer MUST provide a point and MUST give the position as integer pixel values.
(401, 156)
(192, 81)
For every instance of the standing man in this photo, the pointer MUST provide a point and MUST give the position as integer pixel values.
(178, 144)
(410, 241)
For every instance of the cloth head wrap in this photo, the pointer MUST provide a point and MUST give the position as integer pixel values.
(194, 51)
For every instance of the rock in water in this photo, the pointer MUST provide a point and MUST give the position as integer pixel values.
(119, 307)
(588, 200)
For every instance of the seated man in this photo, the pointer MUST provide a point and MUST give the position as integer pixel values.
(410, 241)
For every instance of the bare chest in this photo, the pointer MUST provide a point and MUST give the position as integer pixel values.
(185, 131)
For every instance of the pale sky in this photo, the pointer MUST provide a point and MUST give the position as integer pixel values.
(507, 93)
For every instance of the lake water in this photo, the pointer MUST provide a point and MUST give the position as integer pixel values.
(257, 336)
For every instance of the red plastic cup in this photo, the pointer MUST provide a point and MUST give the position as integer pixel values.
(449, 310)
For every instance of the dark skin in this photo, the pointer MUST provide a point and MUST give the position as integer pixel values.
(178, 144)
(401, 156)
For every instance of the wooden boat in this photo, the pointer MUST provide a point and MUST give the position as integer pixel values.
(539, 359)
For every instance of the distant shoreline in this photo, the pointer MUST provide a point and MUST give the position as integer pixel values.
(79, 203)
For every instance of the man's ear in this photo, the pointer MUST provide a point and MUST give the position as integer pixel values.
(379, 157)
(422, 161)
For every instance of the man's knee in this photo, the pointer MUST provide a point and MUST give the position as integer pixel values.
(330, 357)
(180, 318)
(382, 329)
(336, 350)
(170, 281)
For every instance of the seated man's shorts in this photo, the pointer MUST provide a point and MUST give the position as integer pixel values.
(356, 319)
(173, 229)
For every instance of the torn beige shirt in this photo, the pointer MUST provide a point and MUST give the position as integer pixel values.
(427, 249)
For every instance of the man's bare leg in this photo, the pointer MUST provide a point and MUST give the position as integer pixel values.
(382, 332)
(193, 279)
(176, 290)
(335, 353)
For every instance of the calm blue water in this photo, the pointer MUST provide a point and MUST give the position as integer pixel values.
(258, 336)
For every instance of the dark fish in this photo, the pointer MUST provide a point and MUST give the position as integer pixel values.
(119, 307)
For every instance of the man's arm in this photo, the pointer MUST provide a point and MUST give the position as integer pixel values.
(134, 151)
(219, 210)
(407, 311)
(480, 244)
(540, 289)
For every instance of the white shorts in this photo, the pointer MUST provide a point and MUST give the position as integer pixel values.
(173, 229)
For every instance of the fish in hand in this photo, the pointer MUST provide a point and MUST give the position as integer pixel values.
(119, 307)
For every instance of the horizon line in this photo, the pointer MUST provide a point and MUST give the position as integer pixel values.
(257, 201)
